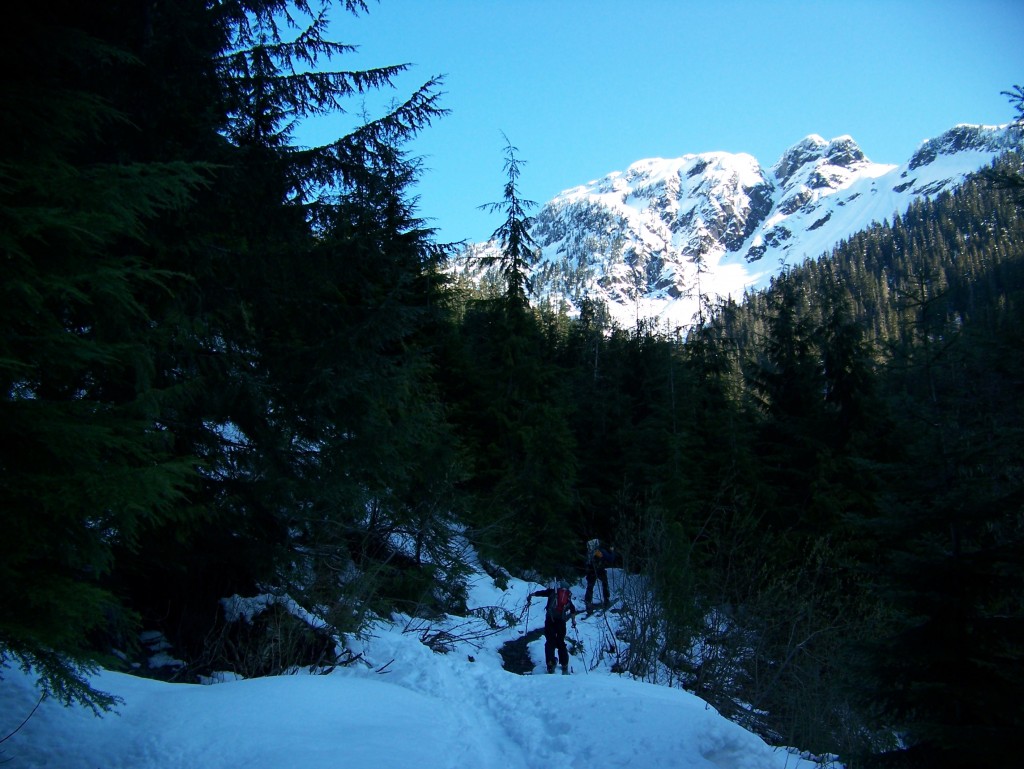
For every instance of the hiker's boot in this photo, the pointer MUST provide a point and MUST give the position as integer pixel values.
(551, 667)
(565, 670)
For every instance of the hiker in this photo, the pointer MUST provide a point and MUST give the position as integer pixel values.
(599, 558)
(559, 609)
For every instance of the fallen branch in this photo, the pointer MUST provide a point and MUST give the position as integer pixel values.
(27, 718)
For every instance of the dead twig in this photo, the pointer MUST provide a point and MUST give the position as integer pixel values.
(27, 718)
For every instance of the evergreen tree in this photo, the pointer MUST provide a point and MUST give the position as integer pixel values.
(315, 404)
(788, 384)
(88, 464)
(518, 252)
(161, 435)
(513, 409)
(947, 663)
(1012, 178)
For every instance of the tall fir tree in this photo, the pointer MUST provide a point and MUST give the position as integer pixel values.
(515, 412)
(88, 463)
(159, 441)
(518, 251)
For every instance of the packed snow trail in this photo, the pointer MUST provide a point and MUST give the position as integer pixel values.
(408, 708)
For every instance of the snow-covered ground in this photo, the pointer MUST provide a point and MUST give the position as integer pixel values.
(401, 705)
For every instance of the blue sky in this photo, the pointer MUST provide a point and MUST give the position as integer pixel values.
(586, 87)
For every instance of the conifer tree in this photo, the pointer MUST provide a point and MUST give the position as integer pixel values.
(1006, 177)
(162, 232)
(316, 407)
(514, 414)
(88, 464)
(518, 252)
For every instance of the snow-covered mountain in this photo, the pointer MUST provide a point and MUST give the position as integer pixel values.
(648, 241)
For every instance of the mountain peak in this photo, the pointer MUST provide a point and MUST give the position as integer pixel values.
(967, 138)
(844, 151)
(648, 241)
(814, 150)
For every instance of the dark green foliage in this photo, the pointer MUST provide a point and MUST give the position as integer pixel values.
(1009, 176)
(511, 407)
(903, 444)
(87, 465)
(512, 416)
(214, 344)
(949, 664)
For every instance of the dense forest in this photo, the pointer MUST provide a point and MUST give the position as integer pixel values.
(234, 365)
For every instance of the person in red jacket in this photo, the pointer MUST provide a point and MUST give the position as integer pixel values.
(559, 610)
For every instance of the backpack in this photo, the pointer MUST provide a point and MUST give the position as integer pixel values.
(559, 604)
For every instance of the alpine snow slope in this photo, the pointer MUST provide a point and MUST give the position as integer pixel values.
(649, 241)
(402, 705)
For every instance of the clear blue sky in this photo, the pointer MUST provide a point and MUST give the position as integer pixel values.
(586, 87)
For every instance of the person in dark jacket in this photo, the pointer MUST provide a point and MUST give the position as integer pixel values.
(559, 610)
(599, 558)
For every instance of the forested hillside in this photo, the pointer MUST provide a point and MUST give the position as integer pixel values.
(823, 482)
(885, 382)
(232, 365)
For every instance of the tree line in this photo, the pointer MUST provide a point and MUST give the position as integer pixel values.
(235, 365)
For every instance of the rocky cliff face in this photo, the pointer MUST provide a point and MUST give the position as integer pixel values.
(648, 241)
